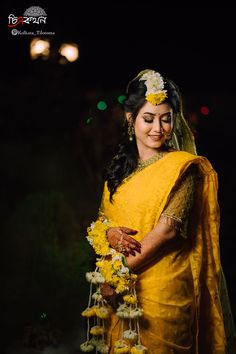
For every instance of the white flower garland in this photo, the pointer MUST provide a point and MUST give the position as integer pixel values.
(154, 83)
(113, 271)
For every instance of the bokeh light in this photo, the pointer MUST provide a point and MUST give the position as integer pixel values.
(205, 110)
(121, 99)
(69, 51)
(101, 105)
(89, 120)
(39, 48)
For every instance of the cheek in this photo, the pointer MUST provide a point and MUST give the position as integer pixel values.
(141, 127)
(167, 128)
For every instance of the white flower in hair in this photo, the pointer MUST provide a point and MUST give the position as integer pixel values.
(154, 82)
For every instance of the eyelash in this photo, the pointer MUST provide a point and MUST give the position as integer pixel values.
(166, 120)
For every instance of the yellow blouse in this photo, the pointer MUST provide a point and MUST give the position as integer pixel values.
(180, 202)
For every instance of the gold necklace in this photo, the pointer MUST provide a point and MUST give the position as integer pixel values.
(156, 157)
(145, 163)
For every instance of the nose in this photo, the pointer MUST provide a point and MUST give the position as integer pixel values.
(157, 128)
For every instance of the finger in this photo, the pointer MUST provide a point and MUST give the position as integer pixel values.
(134, 248)
(136, 243)
(132, 252)
(128, 230)
(132, 245)
(131, 241)
(131, 248)
(120, 247)
(129, 238)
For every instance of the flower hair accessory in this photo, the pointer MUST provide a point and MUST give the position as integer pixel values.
(154, 82)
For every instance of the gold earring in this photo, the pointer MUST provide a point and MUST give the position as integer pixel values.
(130, 130)
(168, 136)
(169, 142)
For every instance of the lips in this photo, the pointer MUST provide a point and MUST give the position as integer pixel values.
(155, 137)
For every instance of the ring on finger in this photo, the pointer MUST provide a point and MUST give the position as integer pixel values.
(120, 247)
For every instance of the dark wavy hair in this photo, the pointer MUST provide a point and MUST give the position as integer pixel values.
(125, 159)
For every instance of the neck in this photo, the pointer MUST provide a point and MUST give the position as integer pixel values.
(147, 154)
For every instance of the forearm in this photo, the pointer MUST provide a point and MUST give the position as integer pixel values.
(151, 246)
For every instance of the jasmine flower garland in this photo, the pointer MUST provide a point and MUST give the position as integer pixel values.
(111, 267)
(154, 83)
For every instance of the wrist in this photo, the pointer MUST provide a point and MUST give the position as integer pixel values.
(125, 262)
(107, 230)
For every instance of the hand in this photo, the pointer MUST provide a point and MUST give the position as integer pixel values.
(120, 240)
(107, 291)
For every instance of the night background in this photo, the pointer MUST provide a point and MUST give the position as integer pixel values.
(56, 141)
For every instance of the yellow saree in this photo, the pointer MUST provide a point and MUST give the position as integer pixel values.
(179, 292)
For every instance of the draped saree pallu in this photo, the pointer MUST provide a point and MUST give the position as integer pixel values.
(180, 291)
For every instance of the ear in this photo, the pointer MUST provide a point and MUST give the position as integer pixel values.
(128, 116)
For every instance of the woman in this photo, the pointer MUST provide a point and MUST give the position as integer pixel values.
(160, 211)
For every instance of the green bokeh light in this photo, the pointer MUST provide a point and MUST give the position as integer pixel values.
(89, 120)
(101, 105)
(121, 99)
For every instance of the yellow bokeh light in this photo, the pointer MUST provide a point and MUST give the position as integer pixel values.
(39, 47)
(69, 51)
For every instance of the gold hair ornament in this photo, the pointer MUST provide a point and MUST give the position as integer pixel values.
(154, 82)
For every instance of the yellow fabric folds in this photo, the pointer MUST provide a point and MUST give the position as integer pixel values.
(179, 292)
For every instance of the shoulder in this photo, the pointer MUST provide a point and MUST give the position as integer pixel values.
(184, 159)
(181, 157)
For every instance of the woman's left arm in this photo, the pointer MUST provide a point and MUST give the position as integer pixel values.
(151, 244)
(172, 223)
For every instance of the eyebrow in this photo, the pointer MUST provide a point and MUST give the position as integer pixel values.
(153, 114)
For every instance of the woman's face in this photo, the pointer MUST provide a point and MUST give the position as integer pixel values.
(152, 126)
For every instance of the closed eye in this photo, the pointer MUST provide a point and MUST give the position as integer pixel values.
(166, 118)
(146, 120)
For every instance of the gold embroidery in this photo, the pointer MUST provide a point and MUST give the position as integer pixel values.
(145, 163)
(180, 201)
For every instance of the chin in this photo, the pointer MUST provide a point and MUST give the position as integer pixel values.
(156, 145)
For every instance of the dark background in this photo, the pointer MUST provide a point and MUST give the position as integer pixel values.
(55, 144)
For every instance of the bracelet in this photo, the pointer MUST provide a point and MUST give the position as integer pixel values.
(125, 262)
